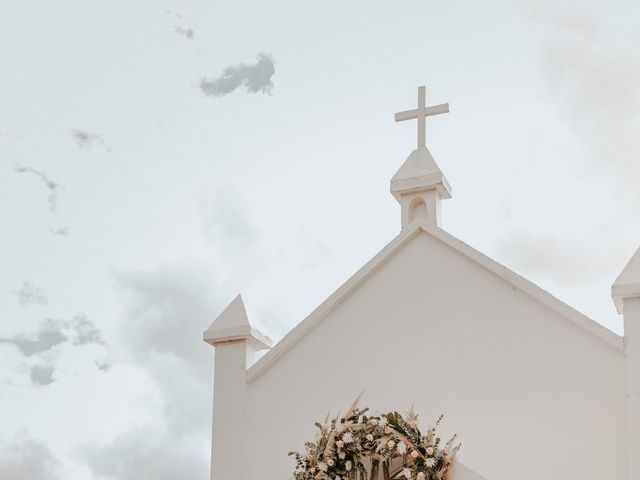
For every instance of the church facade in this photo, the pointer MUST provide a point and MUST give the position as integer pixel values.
(533, 388)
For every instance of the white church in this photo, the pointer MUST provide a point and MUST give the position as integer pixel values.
(533, 388)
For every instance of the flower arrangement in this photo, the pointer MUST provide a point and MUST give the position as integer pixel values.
(346, 445)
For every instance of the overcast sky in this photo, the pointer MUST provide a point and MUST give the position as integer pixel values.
(158, 157)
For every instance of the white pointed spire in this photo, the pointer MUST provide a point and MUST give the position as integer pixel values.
(419, 172)
(627, 285)
(233, 325)
(419, 184)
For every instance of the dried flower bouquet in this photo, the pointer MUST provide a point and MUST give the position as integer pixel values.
(360, 445)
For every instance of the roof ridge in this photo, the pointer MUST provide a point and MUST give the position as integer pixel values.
(527, 286)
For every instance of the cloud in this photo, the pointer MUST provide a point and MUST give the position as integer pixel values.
(29, 294)
(50, 334)
(565, 261)
(85, 331)
(594, 79)
(23, 458)
(62, 231)
(79, 330)
(255, 78)
(103, 365)
(51, 185)
(10, 135)
(172, 13)
(225, 219)
(185, 32)
(565, 18)
(165, 309)
(148, 453)
(41, 374)
(165, 312)
(85, 140)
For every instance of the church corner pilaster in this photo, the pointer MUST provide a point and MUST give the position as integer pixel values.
(626, 296)
(236, 342)
(229, 409)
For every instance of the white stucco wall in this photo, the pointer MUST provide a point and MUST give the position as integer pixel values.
(529, 392)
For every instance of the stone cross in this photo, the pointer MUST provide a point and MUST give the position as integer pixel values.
(421, 113)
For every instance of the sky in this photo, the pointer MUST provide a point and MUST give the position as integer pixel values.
(159, 157)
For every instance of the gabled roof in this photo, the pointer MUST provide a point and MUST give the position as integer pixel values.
(396, 245)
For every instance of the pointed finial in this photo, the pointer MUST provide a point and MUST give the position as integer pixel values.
(233, 325)
(627, 285)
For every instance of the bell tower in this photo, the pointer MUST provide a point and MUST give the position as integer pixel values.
(419, 185)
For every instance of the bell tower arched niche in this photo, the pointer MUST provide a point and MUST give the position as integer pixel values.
(417, 209)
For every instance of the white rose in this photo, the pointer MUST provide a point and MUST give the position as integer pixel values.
(330, 462)
(415, 454)
(430, 451)
(388, 430)
(340, 443)
(347, 437)
(420, 476)
(391, 444)
(369, 437)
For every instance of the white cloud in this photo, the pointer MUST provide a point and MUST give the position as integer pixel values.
(594, 77)
(49, 334)
(566, 261)
(254, 78)
(166, 311)
(42, 347)
(85, 140)
(52, 186)
(565, 18)
(79, 330)
(225, 220)
(185, 32)
(23, 458)
(62, 231)
(149, 452)
(42, 374)
(29, 294)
